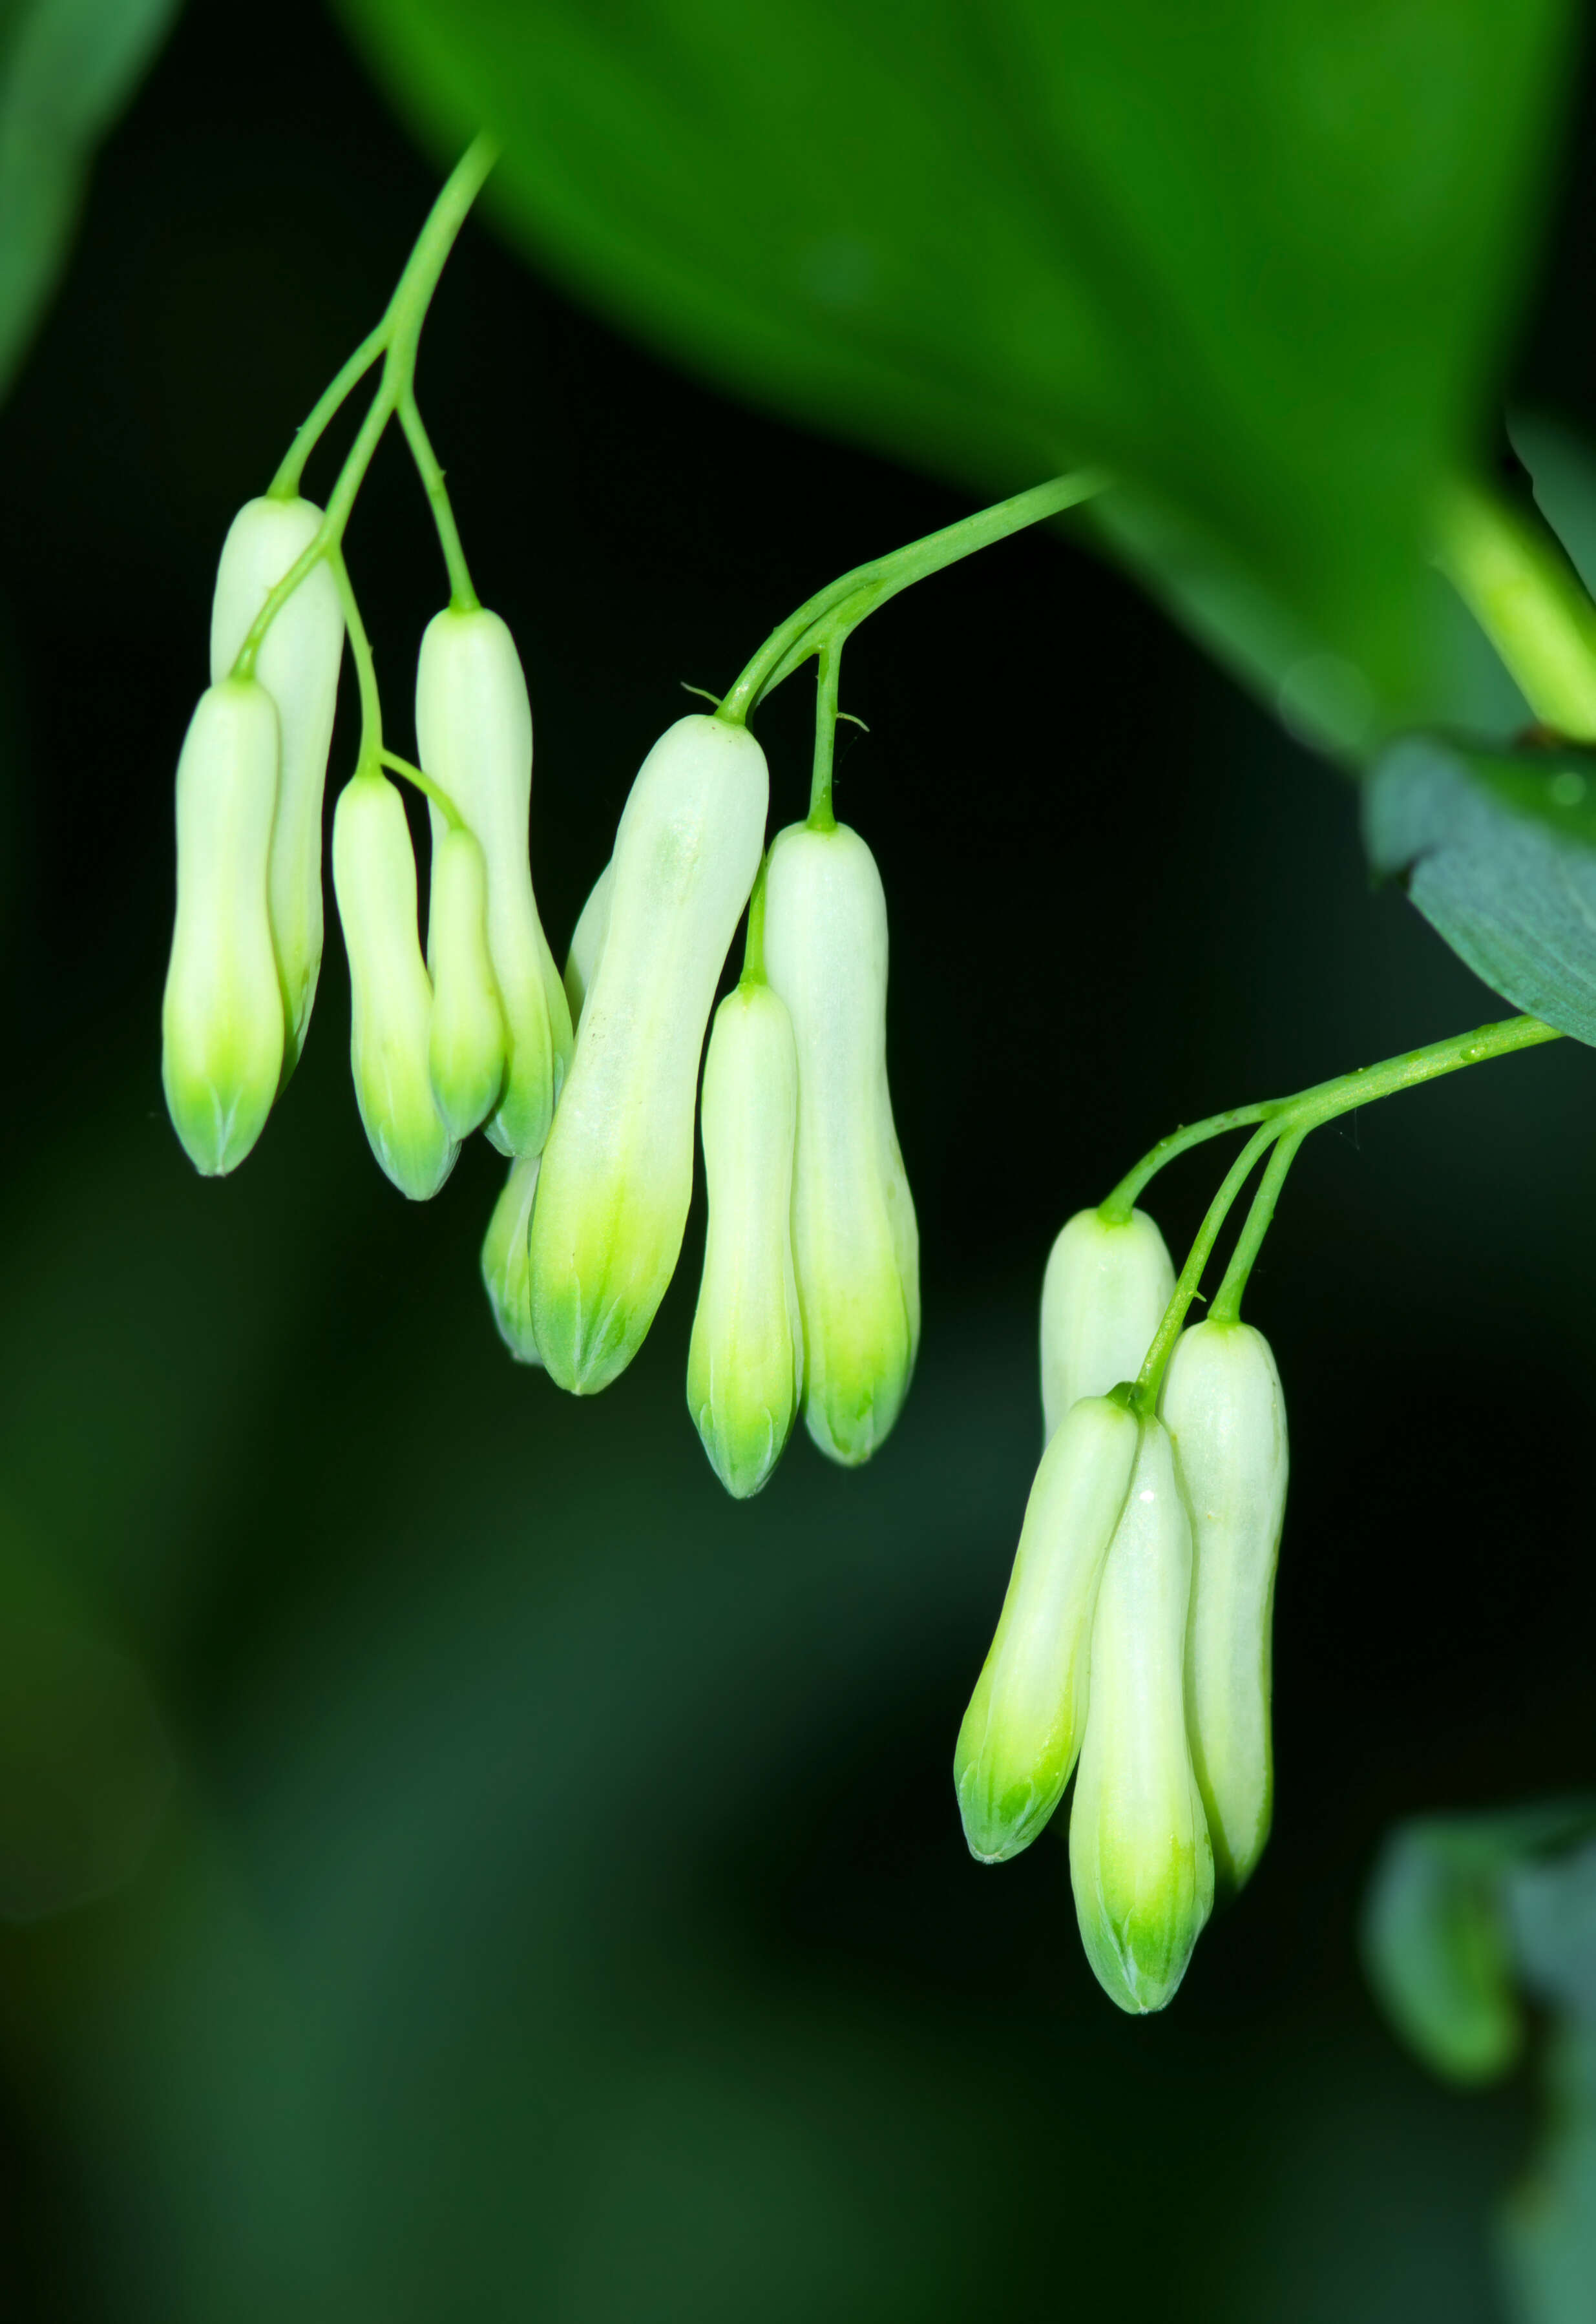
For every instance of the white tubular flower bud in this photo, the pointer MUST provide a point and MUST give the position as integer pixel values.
(855, 1242)
(1103, 1297)
(465, 1046)
(474, 728)
(1222, 1404)
(618, 1170)
(221, 1020)
(374, 876)
(1139, 1854)
(588, 942)
(1020, 1735)
(507, 1262)
(745, 1363)
(298, 664)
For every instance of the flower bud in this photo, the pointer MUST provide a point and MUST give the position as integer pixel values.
(474, 727)
(1222, 1404)
(506, 1260)
(588, 942)
(221, 1020)
(745, 1363)
(466, 1045)
(374, 876)
(298, 664)
(1139, 1859)
(855, 1243)
(618, 1170)
(1019, 1740)
(1103, 1297)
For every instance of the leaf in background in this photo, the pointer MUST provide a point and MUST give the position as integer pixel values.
(1258, 260)
(1500, 852)
(67, 69)
(1563, 474)
(1437, 1935)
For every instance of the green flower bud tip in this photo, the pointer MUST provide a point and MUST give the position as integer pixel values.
(1103, 1297)
(465, 1047)
(745, 1363)
(506, 1260)
(1019, 1736)
(221, 1020)
(587, 943)
(474, 727)
(375, 878)
(1140, 1857)
(298, 664)
(1222, 1404)
(618, 1169)
(855, 1242)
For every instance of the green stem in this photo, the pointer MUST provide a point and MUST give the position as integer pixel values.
(1115, 1209)
(753, 947)
(839, 608)
(463, 598)
(428, 789)
(1227, 1300)
(1292, 1118)
(1325, 1099)
(1530, 602)
(285, 484)
(1151, 1377)
(821, 817)
(397, 336)
(366, 669)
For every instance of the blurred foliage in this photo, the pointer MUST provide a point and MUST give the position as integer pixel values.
(1258, 260)
(1498, 847)
(1463, 1911)
(67, 69)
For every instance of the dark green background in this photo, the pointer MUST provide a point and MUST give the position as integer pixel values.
(532, 1884)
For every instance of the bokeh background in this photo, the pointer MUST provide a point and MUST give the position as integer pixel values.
(455, 1862)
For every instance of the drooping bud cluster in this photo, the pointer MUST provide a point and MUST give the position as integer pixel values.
(1135, 1629)
(589, 1084)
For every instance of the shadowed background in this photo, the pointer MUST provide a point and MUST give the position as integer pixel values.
(456, 1862)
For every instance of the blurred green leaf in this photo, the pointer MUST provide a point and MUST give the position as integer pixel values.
(67, 69)
(1257, 259)
(1547, 2225)
(1438, 1941)
(1564, 476)
(1499, 850)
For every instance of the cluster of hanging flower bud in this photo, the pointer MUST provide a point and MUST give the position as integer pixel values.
(1133, 1645)
(587, 1084)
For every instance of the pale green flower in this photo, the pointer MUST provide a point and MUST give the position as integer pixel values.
(618, 1169)
(1103, 1297)
(855, 1243)
(374, 877)
(745, 1363)
(507, 1261)
(588, 942)
(221, 1020)
(466, 1044)
(1022, 1730)
(474, 728)
(1140, 1857)
(1222, 1404)
(298, 664)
